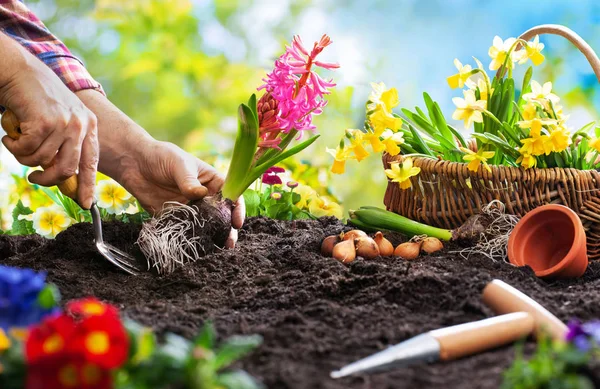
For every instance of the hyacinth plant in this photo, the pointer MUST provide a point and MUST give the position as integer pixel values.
(291, 95)
(519, 124)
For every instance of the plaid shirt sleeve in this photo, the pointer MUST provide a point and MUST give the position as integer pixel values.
(19, 23)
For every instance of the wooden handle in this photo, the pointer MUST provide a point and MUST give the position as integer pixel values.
(471, 338)
(503, 298)
(11, 125)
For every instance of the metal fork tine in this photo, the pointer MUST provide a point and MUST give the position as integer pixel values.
(125, 259)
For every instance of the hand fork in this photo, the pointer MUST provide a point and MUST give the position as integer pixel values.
(69, 188)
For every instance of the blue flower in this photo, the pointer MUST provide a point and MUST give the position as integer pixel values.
(19, 293)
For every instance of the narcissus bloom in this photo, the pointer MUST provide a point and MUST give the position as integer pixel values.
(559, 139)
(392, 141)
(477, 158)
(401, 173)
(113, 197)
(340, 155)
(49, 221)
(499, 51)
(529, 111)
(533, 51)
(324, 206)
(535, 146)
(387, 99)
(375, 140)
(483, 88)
(382, 120)
(541, 93)
(535, 125)
(595, 144)
(459, 79)
(527, 161)
(357, 141)
(469, 109)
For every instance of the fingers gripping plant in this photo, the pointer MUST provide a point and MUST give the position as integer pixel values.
(293, 94)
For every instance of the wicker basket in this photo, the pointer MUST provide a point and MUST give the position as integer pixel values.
(444, 194)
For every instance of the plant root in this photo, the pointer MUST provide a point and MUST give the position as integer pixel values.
(492, 241)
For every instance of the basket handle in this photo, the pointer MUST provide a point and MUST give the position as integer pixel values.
(565, 32)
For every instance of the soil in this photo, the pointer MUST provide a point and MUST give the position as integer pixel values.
(314, 313)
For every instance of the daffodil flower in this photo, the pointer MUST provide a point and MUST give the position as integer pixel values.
(541, 93)
(49, 221)
(307, 194)
(402, 174)
(527, 161)
(113, 197)
(459, 79)
(529, 111)
(536, 145)
(391, 141)
(340, 155)
(323, 206)
(535, 125)
(357, 141)
(382, 120)
(469, 109)
(595, 144)
(558, 140)
(375, 140)
(483, 88)
(533, 51)
(477, 158)
(499, 51)
(388, 99)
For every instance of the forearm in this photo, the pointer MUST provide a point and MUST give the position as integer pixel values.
(119, 136)
(13, 59)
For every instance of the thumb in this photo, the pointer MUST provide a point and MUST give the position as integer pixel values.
(186, 178)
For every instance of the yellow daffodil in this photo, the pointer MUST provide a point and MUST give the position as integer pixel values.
(391, 141)
(113, 197)
(535, 125)
(468, 109)
(477, 158)
(388, 99)
(49, 221)
(382, 120)
(307, 194)
(483, 88)
(402, 174)
(499, 51)
(558, 140)
(541, 93)
(527, 161)
(533, 51)
(357, 141)
(536, 145)
(595, 144)
(459, 79)
(375, 140)
(529, 111)
(323, 206)
(340, 155)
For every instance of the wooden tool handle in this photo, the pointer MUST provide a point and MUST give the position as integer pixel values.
(503, 298)
(471, 338)
(11, 125)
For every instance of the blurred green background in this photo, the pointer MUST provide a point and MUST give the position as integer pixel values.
(180, 68)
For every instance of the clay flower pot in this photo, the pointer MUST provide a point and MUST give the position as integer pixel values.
(551, 240)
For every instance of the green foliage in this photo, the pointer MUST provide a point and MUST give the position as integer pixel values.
(284, 208)
(21, 227)
(554, 365)
(178, 362)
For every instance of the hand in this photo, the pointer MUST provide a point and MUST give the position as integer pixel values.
(57, 128)
(162, 172)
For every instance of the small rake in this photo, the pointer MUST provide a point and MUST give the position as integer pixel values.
(69, 188)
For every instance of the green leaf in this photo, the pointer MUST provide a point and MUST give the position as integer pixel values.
(252, 105)
(206, 337)
(526, 80)
(499, 142)
(21, 227)
(437, 118)
(243, 154)
(49, 296)
(238, 380)
(458, 135)
(252, 202)
(234, 348)
(418, 142)
(273, 152)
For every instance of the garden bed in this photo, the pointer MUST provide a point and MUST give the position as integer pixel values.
(314, 313)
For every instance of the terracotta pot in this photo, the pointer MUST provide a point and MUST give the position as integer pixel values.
(551, 240)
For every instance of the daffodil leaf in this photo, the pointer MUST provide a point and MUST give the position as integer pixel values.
(526, 80)
(458, 135)
(560, 162)
(437, 118)
(499, 142)
(422, 147)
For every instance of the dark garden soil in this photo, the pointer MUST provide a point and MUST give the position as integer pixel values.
(314, 313)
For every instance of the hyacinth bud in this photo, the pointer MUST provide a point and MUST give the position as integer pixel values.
(267, 113)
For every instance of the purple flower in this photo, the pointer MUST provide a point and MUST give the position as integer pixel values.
(584, 336)
(270, 177)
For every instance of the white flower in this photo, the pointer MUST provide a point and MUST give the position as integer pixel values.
(499, 51)
(541, 93)
(113, 197)
(49, 221)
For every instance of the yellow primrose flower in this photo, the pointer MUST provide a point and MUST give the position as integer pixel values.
(468, 109)
(459, 79)
(541, 93)
(558, 140)
(113, 197)
(382, 120)
(357, 141)
(391, 141)
(527, 161)
(483, 88)
(536, 146)
(340, 155)
(533, 51)
(49, 221)
(402, 174)
(324, 206)
(595, 144)
(499, 51)
(307, 194)
(477, 158)
(388, 99)
(535, 125)
(4, 341)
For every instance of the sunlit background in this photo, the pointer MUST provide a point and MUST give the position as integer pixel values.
(180, 68)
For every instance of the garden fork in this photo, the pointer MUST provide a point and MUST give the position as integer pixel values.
(68, 187)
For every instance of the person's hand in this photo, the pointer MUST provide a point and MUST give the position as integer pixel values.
(57, 128)
(163, 172)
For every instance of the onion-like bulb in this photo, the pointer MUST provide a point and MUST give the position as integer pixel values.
(385, 246)
(408, 250)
